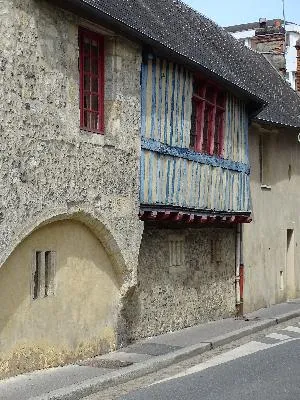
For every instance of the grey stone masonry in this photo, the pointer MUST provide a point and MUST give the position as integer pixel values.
(185, 276)
(50, 169)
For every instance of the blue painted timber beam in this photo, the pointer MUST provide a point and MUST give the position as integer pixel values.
(178, 152)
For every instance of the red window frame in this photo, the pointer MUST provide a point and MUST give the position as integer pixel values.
(208, 119)
(91, 69)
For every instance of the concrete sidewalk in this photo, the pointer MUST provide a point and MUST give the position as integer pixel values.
(90, 376)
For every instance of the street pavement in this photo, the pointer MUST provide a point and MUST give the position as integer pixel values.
(268, 369)
(142, 358)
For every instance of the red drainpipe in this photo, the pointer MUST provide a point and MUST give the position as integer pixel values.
(239, 271)
(241, 308)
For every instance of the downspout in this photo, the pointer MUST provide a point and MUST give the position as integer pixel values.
(242, 276)
(237, 269)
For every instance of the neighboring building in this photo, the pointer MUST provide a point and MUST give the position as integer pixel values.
(297, 46)
(271, 39)
(271, 257)
(125, 179)
(271, 241)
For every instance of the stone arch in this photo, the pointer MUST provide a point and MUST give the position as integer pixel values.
(85, 301)
(95, 221)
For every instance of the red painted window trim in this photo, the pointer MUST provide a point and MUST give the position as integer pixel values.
(208, 108)
(98, 76)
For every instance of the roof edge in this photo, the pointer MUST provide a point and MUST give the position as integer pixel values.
(255, 103)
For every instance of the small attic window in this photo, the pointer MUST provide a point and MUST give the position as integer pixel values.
(207, 121)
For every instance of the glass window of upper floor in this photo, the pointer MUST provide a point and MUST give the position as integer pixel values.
(91, 67)
(207, 121)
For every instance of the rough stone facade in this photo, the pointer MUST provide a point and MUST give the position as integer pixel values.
(50, 169)
(185, 276)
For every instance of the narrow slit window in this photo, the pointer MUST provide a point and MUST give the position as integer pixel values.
(36, 275)
(49, 273)
(43, 274)
(216, 256)
(264, 161)
(176, 251)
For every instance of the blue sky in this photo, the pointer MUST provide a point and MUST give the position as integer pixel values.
(233, 12)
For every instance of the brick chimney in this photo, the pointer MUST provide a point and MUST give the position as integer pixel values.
(298, 66)
(270, 41)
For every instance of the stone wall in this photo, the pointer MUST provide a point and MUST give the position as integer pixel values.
(49, 168)
(185, 276)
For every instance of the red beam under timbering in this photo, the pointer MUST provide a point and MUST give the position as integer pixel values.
(176, 216)
(188, 218)
(195, 219)
(161, 216)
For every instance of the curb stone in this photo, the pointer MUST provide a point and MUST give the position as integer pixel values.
(287, 316)
(94, 385)
(242, 332)
(91, 386)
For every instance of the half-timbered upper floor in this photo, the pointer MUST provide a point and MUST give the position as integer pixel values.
(194, 143)
(194, 134)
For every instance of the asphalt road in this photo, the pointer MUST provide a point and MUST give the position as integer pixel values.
(267, 374)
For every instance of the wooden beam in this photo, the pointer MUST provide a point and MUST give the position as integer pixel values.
(163, 215)
(176, 216)
(188, 218)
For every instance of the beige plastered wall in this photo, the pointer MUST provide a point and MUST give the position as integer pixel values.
(79, 320)
(272, 274)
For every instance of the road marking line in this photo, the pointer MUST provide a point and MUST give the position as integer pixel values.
(278, 336)
(292, 329)
(244, 350)
(239, 352)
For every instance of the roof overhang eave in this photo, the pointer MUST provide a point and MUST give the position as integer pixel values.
(276, 124)
(85, 10)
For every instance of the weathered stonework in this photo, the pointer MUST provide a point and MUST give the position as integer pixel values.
(50, 170)
(47, 163)
(170, 297)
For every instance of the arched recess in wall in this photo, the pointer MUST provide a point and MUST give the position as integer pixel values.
(60, 296)
(94, 221)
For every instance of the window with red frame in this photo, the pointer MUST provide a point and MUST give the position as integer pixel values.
(207, 124)
(91, 67)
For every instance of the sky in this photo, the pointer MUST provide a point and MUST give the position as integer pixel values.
(234, 12)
